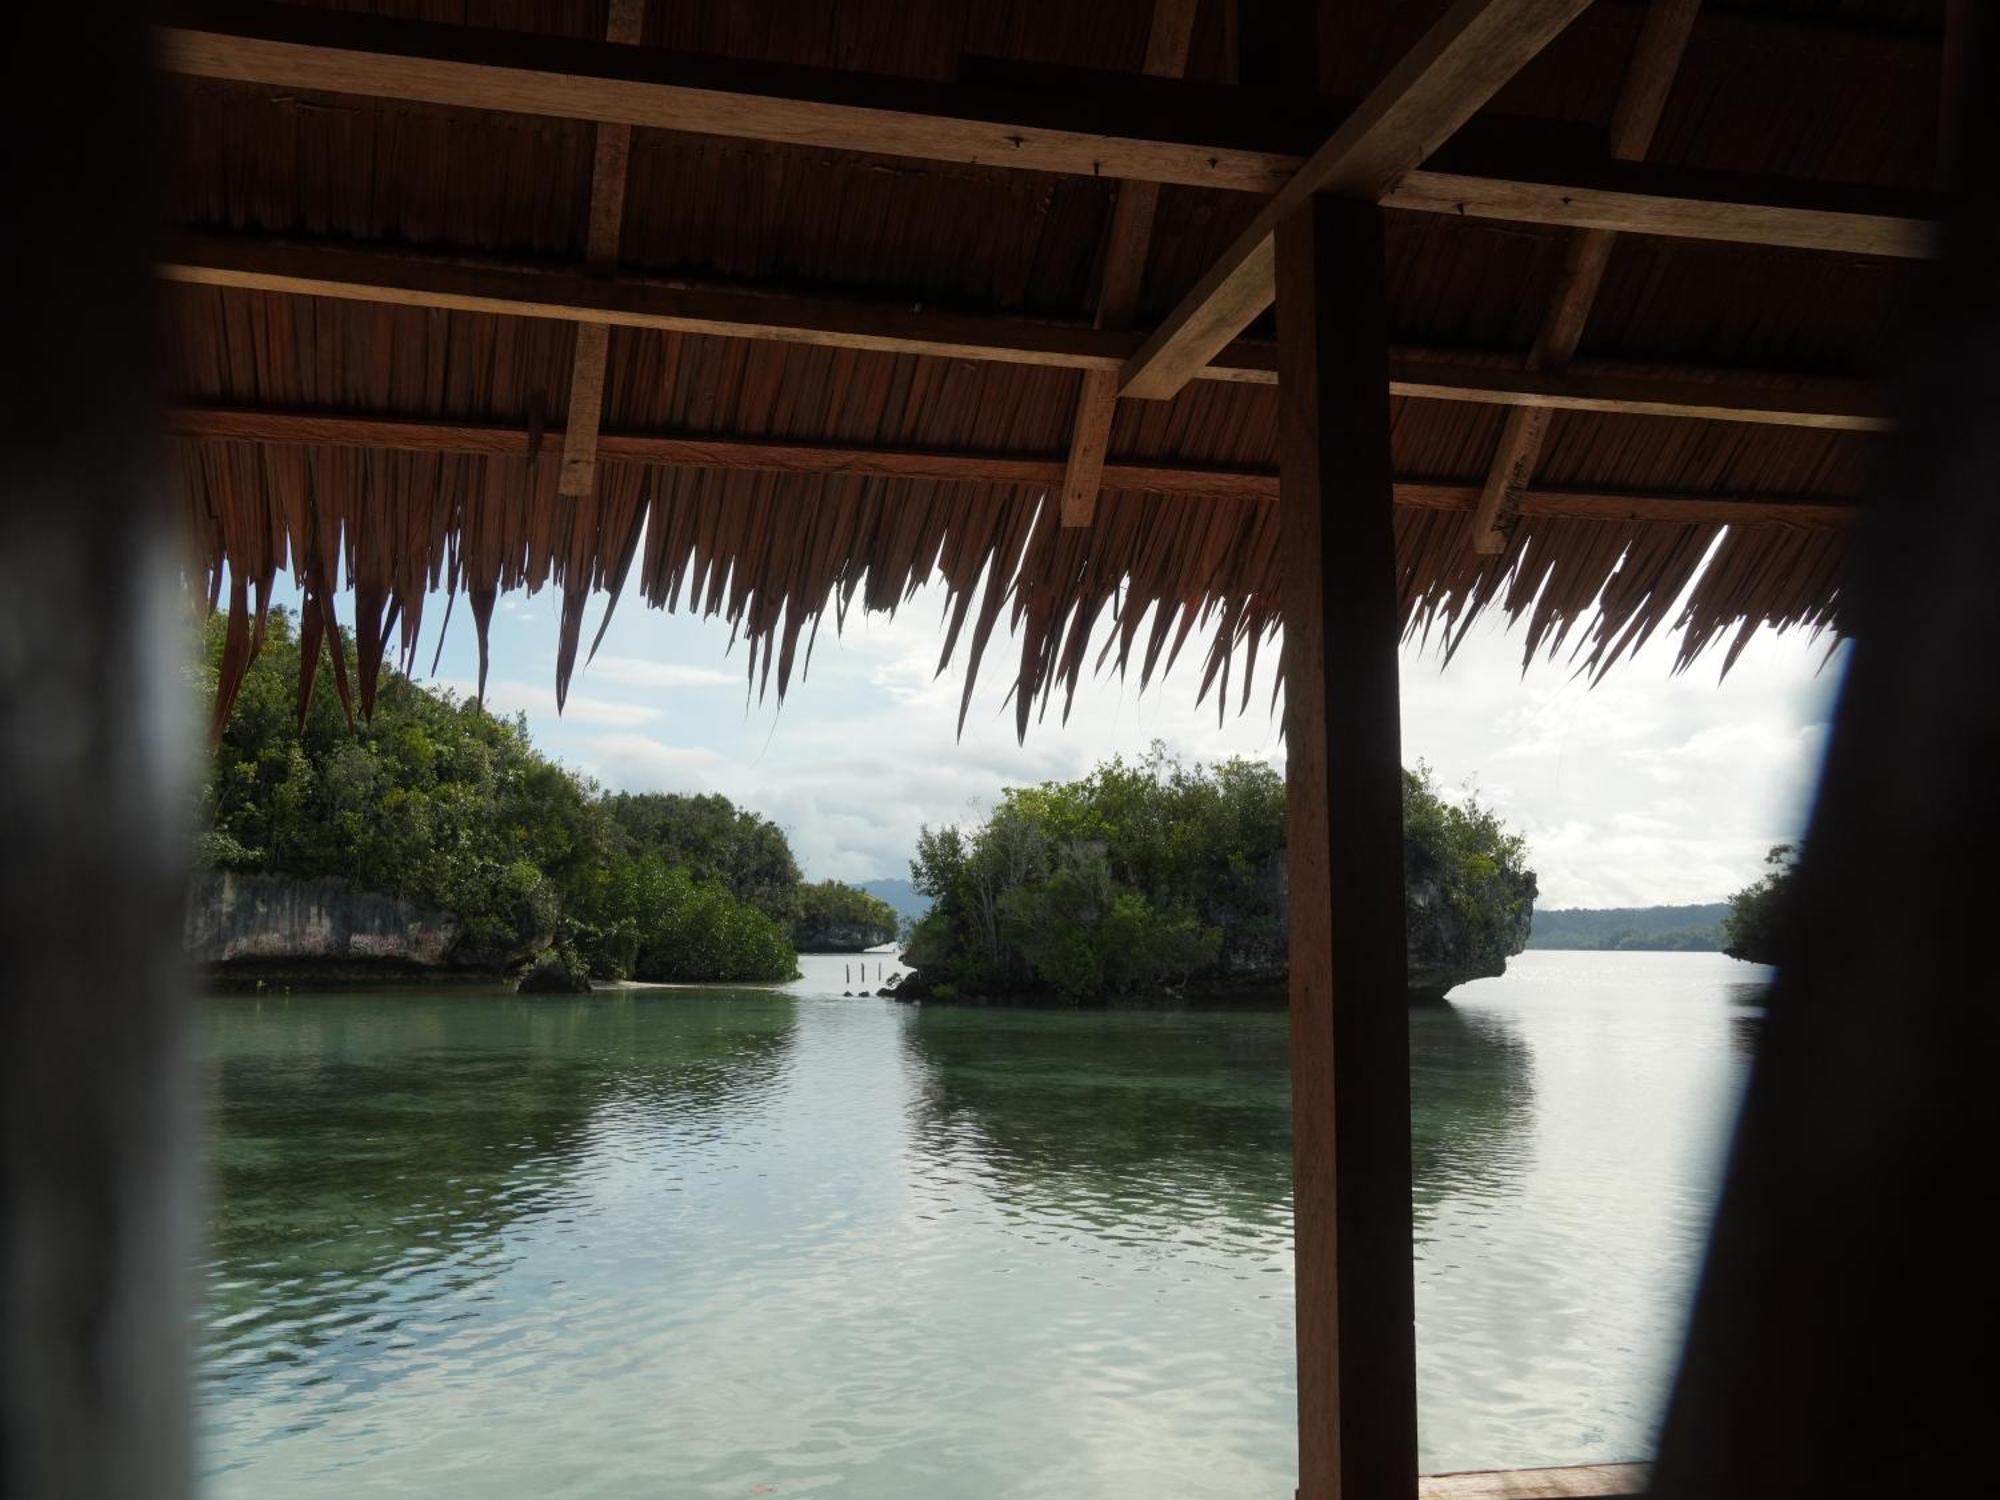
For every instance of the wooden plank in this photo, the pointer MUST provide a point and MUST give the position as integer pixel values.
(1349, 1013)
(1575, 1482)
(473, 67)
(1655, 59)
(613, 148)
(402, 279)
(1467, 54)
(1125, 247)
(725, 451)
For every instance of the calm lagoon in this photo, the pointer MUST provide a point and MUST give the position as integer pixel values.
(777, 1242)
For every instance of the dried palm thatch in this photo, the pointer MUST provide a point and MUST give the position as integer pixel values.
(772, 553)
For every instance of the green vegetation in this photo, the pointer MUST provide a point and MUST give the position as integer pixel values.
(1154, 876)
(1632, 929)
(1757, 917)
(442, 804)
(831, 917)
(714, 840)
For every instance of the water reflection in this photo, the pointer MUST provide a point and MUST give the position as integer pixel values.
(372, 1154)
(1134, 1123)
(1749, 996)
(699, 1244)
(1472, 1099)
(1131, 1125)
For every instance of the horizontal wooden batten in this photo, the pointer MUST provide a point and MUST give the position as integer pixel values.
(1196, 134)
(1575, 1482)
(414, 435)
(575, 78)
(1830, 405)
(1639, 198)
(411, 280)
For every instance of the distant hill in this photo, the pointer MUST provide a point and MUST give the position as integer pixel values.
(1669, 929)
(899, 894)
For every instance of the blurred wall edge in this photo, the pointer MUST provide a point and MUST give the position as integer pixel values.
(95, 1249)
(1842, 1337)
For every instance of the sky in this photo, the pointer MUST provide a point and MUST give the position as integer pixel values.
(1647, 788)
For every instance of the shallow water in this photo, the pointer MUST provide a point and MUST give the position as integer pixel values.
(771, 1243)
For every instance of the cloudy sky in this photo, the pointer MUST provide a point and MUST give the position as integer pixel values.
(1648, 788)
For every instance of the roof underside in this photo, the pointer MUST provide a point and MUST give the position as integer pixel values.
(816, 481)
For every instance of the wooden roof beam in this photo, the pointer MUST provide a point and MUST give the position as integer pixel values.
(778, 456)
(1202, 135)
(399, 278)
(613, 149)
(473, 67)
(1460, 63)
(1655, 60)
(1125, 247)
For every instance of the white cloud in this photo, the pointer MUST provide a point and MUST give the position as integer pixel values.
(636, 671)
(1648, 788)
(534, 699)
(639, 763)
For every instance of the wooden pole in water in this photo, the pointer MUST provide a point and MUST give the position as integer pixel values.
(1349, 1012)
(97, 1148)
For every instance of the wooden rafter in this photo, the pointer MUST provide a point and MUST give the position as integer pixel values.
(1460, 63)
(1655, 60)
(1192, 134)
(411, 280)
(1679, 203)
(1125, 246)
(624, 27)
(776, 456)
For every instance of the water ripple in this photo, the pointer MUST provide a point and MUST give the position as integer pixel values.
(738, 1244)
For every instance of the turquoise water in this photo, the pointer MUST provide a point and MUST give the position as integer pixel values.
(777, 1243)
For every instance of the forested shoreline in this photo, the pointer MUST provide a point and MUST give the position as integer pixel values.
(436, 802)
(1143, 880)
(1632, 929)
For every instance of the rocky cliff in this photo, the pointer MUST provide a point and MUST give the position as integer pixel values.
(276, 927)
(840, 937)
(1446, 947)
(1448, 940)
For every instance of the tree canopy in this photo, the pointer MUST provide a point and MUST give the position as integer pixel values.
(1150, 875)
(832, 915)
(438, 802)
(1755, 926)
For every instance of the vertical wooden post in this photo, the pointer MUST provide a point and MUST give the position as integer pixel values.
(96, 1153)
(1350, 1020)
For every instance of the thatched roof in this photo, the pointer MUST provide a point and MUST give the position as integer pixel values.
(831, 374)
